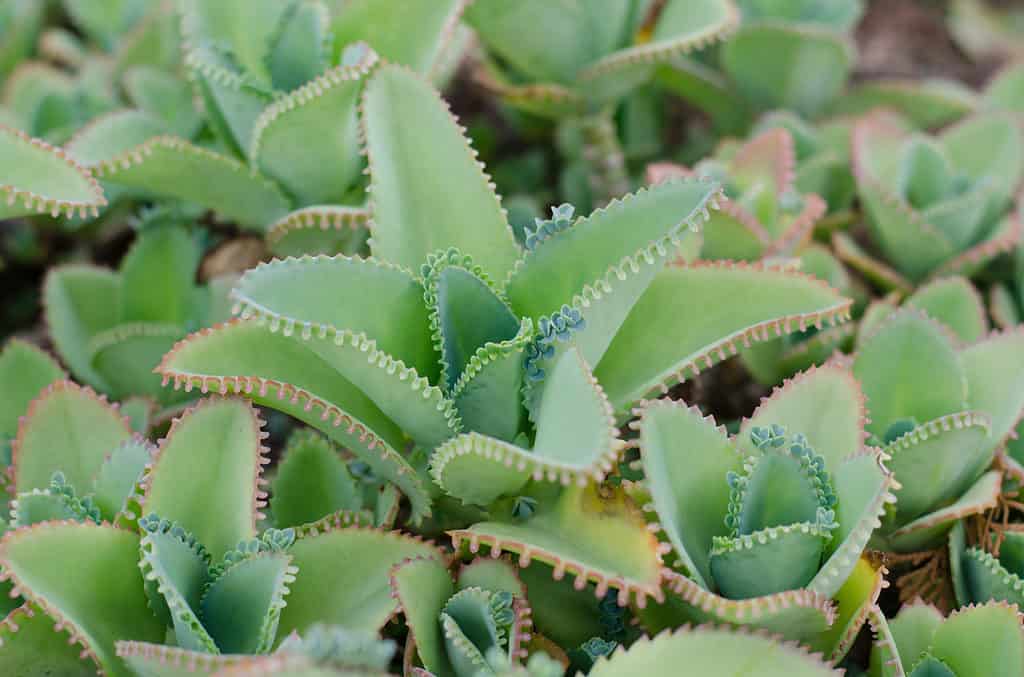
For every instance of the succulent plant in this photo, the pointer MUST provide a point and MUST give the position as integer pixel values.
(282, 98)
(112, 328)
(941, 410)
(548, 59)
(919, 641)
(194, 562)
(764, 215)
(936, 205)
(482, 324)
(475, 623)
(766, 528)
(795, 55)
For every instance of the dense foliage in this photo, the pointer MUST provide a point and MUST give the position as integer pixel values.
(334, 406)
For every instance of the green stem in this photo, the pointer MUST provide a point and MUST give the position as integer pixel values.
(604, 157)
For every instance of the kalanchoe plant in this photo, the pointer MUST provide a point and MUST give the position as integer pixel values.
(467, 332)
(575, 62)
(990, 569)
(941, 411)
(919, 641)
(281, 96)
(766, 528)
(194, 562)
(936, 205)
(796, 55)
(764, 214)
(707, 649)
(111, 328)
(473, 625)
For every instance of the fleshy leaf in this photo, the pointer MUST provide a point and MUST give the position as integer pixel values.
(38, 178)
(173, 167)
(24, 371)
(995, 385)
(176, 570)
(160, 660)
(330, 561)
(104, 576)
(117, 477)
(30, 646)
(955, 302)
(908, 369)
(324, 109)
(422, 587)
(311, 481)
(80, 302)
(68, 429)
(206, 471)
(595, 534)
(242, 605)
(277, 371)
(409, 221)
(993, 625)
(576, 440)
(686, 458)
(125, 356)
(587, 262)
(320, 229)
(777, 65)
(157, 276)
(710, 324)
(928, 530)
(410, 35)
(111, 134)
(709, 650)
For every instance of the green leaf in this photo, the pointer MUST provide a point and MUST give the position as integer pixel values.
(908, 368)
(466, 311)
(117, 477)
(172, 167)
(233, 101)
(927, 103)
(683, 26)
(278, 372)
(488, 394)
(599, 537)
(79, 302)
(854, 600)
(726, 304)
(800, 615)
(158, 274)
(68, 429)
(546, 41)
(242, 606)
(321, 229)
(176, 570)
(409, 133)
(206, 471)
(125, 356)
(299, 46)
(776, 65)
(686, 458)
(31, 647)
(580, 264)
(328, 564)
(322, 111)
(38, 178)
(326, 297)
(928, 530)
(710, 650)
(993, 625)
(164, 95)
(939, 460)
(160, 660)
(24, 371)
(995, 385)
(101, 597)
(248, 42)
(312, 481)
(412, 35)
(111, 134)
(576, 440)
(955, 302)
(422, 587)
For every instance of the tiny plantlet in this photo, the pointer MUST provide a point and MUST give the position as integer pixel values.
(697, 351)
